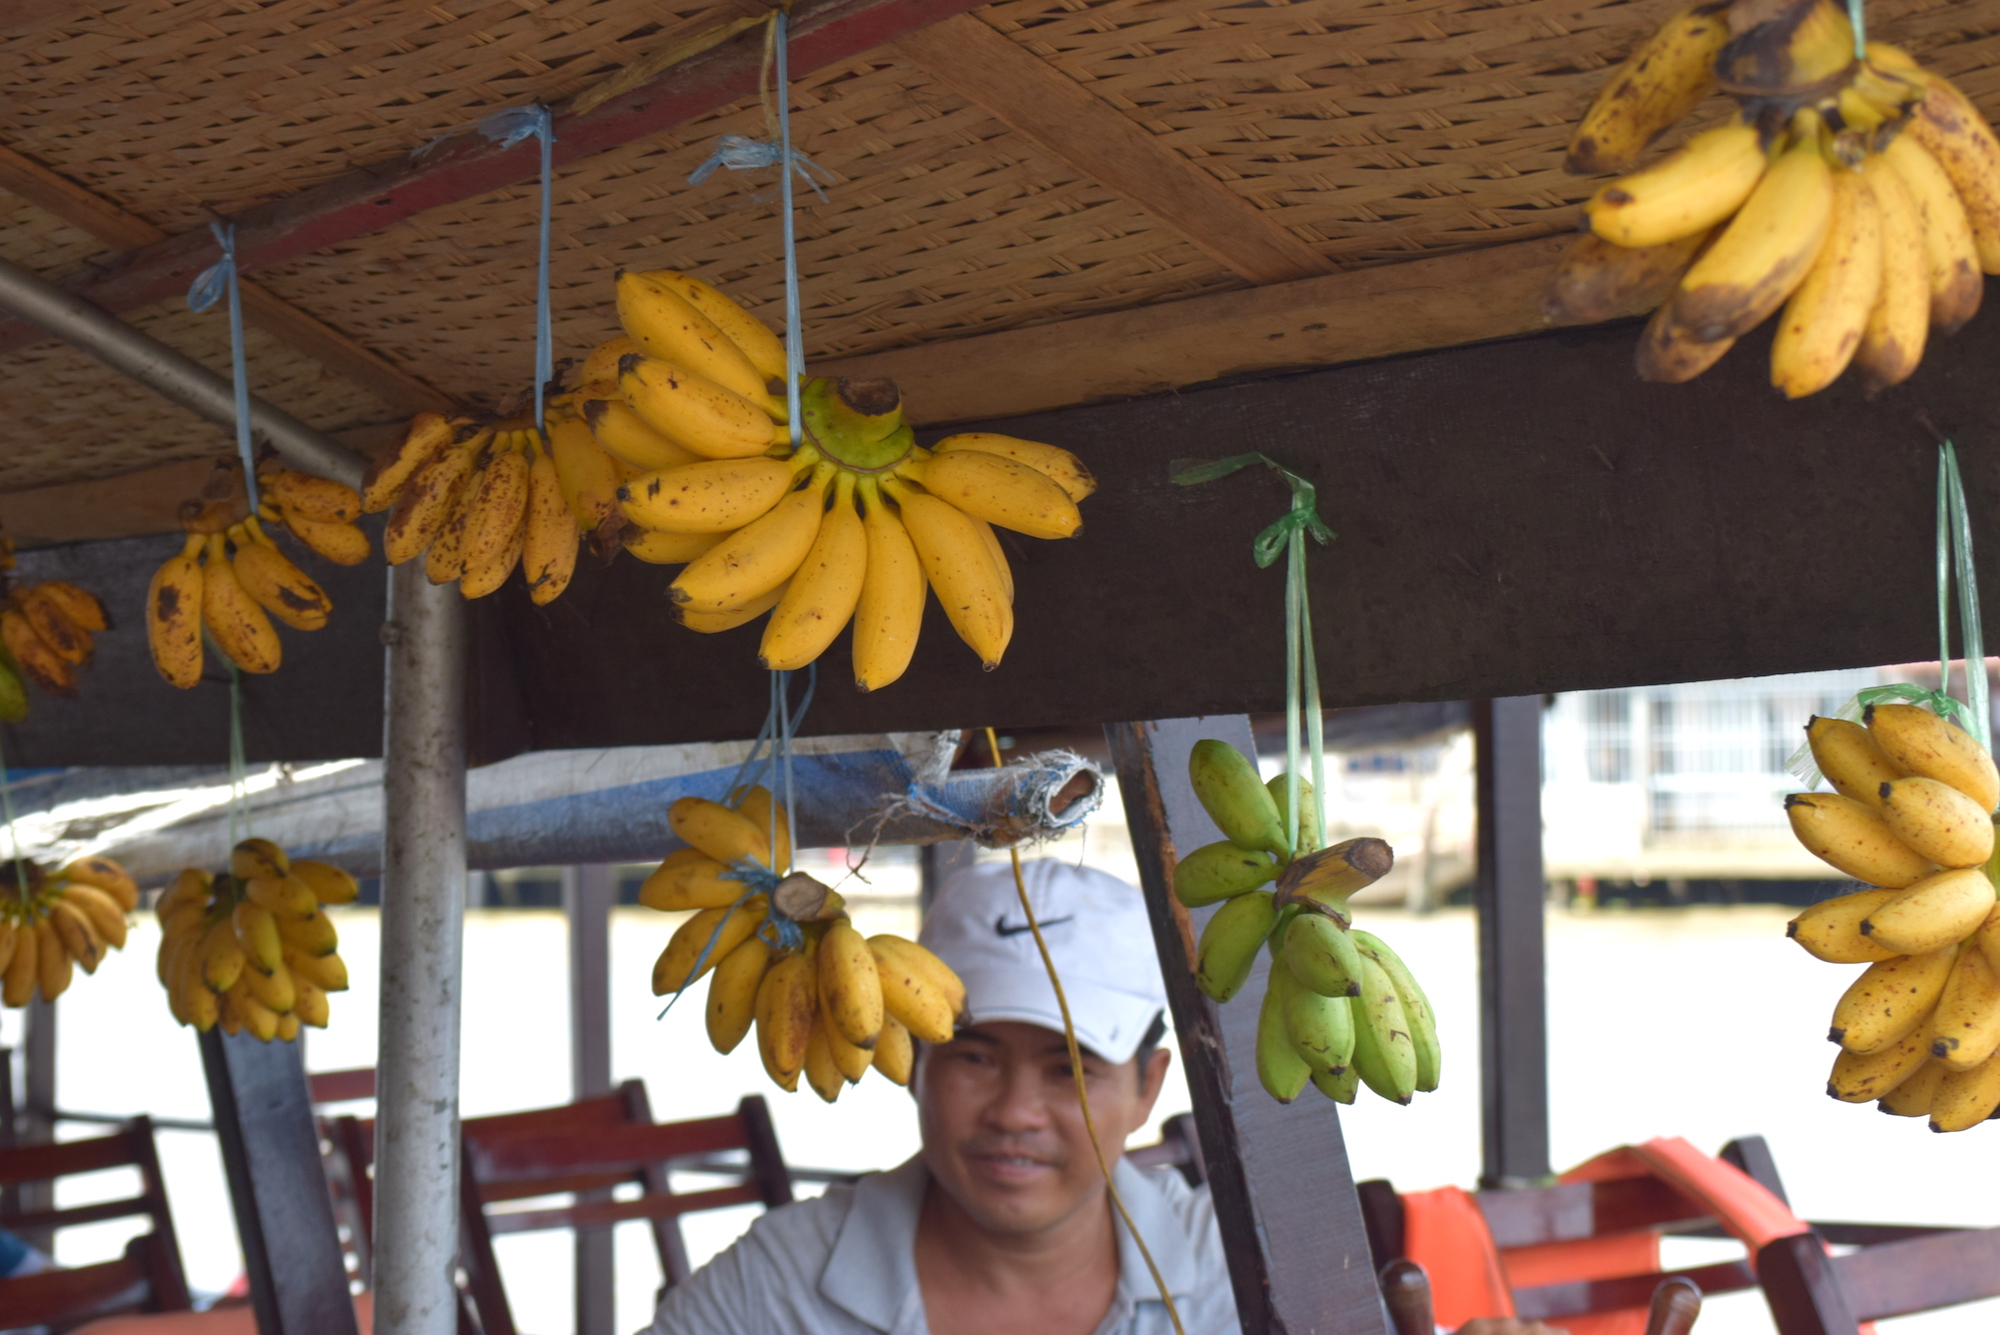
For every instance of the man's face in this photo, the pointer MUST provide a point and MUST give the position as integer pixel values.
(1003, 1134)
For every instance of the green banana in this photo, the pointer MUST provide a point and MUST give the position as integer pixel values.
(1382, 1047)
(1328, 877)
(1310, 834)
(1236, 799)
(13, 690)
(1416, 1008)
(1322, 1028)
(1229, 943)
(1280, 1068)
(1322, 955)
(1221, 870)
(1342, 1085)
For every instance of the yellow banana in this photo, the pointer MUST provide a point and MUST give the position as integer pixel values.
(1917, 741)
(1601, 281)
(712, 623)
(1957, 135)
(286, 896)
(1933, 913)
(49, 669)
(79, 936)
(1893, 343)
(601, 364)
(256, 933)
(822, 1072)
(1854, 839)
(274, 989)
(342, 544)
(549, 535)
(1956, 280)
(822, 593)
(1823, 322)
(695, 412)
(279, 587)
(310, 934)
(998, 490)
(917, 988)
(697, 946)
(1689, 191)
(444, 559)
(80, 606)
(768, 815)
(1831, 929)
(426, 500)
(661, 548)
(732, 994)
(427, 437)
(960, 571)
(1889, 1000)
(1058, 464)
(625, 435)
(496, 532)
(850, 986)
(106, 914)
(764, 349)
(1863, 1078)
(70, 641)
(327, 972)
(1964, 1099)
(222, 958)
(309, 1006)
(329, 884)
(718, 831)
(1965, 1027)
(1659, 83)
(17, 986)
(713, 496)
(1937, 821)
(758, 557)
(317, 498)
(1913, 1096)
(895, 1054)
(173, 616)
(785, 1010)
(1987, 939)
(588, 475)
(1329, 876)
(1851, 758)
(1668, 354)
(666, 326)
(108, 876)
(1765, 251)
(890, 610)
(233, 619)
(53, 969)
(697, 884)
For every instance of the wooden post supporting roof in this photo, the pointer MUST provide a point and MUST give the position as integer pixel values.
(1284, 1198)
(1513, 983)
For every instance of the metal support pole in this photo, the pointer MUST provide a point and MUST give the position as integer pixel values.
(168, 371)
(36, 1122)
(1513, 993)
(423, 922)
(588, 894)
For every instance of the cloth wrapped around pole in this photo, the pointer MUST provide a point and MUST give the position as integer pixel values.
(557, 808)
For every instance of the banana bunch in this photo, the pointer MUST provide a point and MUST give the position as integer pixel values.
(60, 920)
(45, 636)
(853, 525)
(830, 1006)
(1919, 1030)
(319, 511)
(1340, 1008)
(1857, 200)
(231, 579)
(475, 500)
(250, 949)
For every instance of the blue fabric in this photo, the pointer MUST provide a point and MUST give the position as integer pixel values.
(13, 1252)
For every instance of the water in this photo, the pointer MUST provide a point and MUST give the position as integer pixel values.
(1702, 1023)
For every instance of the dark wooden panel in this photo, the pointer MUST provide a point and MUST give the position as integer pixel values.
(1513, 518)
(1284, 1197)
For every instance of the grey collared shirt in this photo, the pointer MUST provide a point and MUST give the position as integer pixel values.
(845, 1264)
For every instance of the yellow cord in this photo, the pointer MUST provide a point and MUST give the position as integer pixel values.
(1076, 1070)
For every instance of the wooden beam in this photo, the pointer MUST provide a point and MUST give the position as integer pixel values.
(57, 194)
(1048, 108)
(1414, 306)
(1284, 1196)
(824, 32)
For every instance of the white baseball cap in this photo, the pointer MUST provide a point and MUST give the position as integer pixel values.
(1098, 936)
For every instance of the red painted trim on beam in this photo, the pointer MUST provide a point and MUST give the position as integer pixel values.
(466, 166)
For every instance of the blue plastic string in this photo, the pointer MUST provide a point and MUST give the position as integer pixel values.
(508, 128)
(214, 282)
(1860, 25)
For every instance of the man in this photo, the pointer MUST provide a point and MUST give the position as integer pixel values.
(1001, 1222)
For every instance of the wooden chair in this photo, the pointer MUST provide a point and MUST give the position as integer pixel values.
(1406, 1292)
(512, 1165)
(1178, 1145)
(1811, 1293)
(147, 1278)
(346, 1151)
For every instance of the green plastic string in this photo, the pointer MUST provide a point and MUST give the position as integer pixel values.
(1860, 26)
(1954, 562)
(1286, 536)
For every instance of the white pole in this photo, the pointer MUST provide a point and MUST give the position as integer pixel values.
(423, 921)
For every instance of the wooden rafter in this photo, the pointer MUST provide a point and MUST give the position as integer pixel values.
(1414, 306)
(1043, 105)
(58, 195)
(371, 198)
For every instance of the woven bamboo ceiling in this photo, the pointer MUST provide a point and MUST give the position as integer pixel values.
(1214, 148)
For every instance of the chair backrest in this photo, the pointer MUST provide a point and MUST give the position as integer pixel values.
(148, 1277)
(1178, 1145)
(1811, 1293)
(530, 1157)
(341, 1086)
(1406, 1292)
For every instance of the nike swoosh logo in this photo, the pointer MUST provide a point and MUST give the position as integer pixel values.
(1000, 925)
